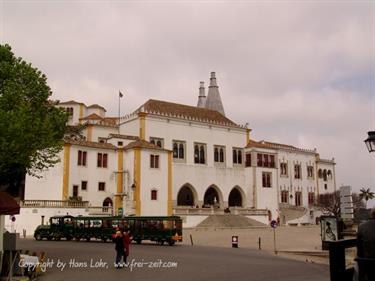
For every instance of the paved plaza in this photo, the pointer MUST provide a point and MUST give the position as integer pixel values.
(94, 261)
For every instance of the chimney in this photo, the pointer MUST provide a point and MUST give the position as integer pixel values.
(213, 80)
(213, 100)
(202, 95)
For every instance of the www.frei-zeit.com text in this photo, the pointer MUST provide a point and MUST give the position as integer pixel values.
(73, 263)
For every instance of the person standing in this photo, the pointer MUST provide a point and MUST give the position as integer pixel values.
(126, 240)
(119, 247)
(366, 248)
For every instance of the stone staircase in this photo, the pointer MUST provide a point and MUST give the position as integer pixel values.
(290, 213)
(229, 221)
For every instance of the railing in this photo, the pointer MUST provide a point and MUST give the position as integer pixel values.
(100, 211)
(186, 210)
(53, 204)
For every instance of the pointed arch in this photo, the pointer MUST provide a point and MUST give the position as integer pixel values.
(107, 202)
(236, 197)
(187, 196)
(213, 196)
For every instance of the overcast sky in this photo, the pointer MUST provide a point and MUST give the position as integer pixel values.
(300, 73)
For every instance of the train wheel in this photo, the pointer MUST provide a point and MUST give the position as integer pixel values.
(38, 237)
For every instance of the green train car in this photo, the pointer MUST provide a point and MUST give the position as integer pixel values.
(158, 229)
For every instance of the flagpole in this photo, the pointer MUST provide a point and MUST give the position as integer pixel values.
(119, 110)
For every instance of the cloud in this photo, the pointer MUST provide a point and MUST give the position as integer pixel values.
(299, 72)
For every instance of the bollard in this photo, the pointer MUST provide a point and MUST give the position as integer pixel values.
(191, 240)
(259, 243)
(24, 233)
(234, 241)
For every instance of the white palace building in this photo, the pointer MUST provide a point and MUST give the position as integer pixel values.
(167, 158)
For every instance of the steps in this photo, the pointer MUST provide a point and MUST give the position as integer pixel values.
(229, 221)
(291, 213)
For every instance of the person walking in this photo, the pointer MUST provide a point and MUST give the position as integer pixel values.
(126, 240)
(119, 247)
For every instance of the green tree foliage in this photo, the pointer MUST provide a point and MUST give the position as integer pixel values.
(31, 126)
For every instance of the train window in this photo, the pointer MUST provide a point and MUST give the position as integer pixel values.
(106, 223)
(55, 221)
(115, 223)
(168, 224)
(68, 221)
(80, 223)
(95, 223)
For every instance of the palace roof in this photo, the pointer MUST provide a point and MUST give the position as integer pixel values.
(187, 112)
(143, 144)
(91, 144)
(274, 145)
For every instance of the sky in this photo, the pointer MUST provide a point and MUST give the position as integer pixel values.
(299, 72)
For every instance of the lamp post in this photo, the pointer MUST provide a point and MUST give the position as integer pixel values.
(370, 141)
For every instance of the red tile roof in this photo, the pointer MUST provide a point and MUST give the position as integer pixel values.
(182, 111)
(274, 145)
(91, 144)
(143, 144)
(92, 116)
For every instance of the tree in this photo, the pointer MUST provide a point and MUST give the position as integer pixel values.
(366, 194)
(31, 126)
(329, 203)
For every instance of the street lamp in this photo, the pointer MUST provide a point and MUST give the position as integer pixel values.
(370, 141)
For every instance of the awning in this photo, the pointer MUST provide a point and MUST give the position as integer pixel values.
(8, 206)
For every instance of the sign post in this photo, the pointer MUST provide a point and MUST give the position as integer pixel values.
(274, 225)
(346, 203)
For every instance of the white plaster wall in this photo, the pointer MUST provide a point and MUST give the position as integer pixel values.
(191, 221)
(115, 141)
(130, 127)
(154, 179)
(304, 184)
(267, 196)
(330, 182)
(76, 111)
(93, 175)
(95, 110)
(191, 133)
(30, 218)
(49, 186)
(102, 132)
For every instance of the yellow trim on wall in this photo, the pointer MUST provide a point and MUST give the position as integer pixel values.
(120, 180)
(248, 135)
(142, 125)
(137, 179)
(65, 185)
(81, 111)
(170, 209)
(89, 132)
